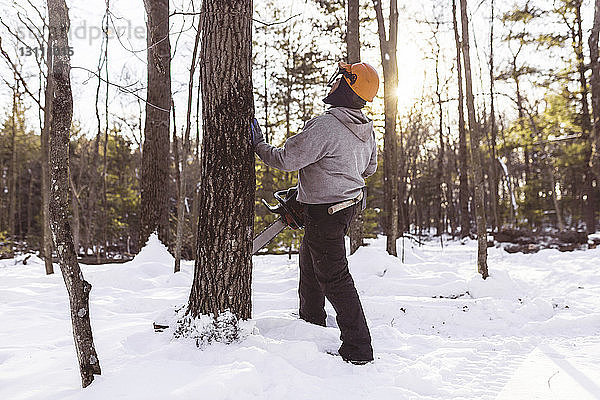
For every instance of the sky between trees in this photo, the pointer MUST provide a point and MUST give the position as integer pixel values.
(127, 58)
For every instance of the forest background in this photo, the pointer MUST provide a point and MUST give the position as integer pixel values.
(537, 138)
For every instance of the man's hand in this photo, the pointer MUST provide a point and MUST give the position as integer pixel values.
(256, 135)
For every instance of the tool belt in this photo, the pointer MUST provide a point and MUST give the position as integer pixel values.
(361, 198)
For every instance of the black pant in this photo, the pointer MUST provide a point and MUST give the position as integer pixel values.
(324, 273)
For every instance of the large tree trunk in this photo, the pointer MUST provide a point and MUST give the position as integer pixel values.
(185, 151)
(155, 157)
(389, 60)
(595, 81)
(356, 230)
(475, 150)
(62, 112)
(223, 268)
(463, 190)
(353, 32)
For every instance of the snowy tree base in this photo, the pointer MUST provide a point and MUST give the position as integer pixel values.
(206, 329)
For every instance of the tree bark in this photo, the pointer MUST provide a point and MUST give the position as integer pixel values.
(154, 184)
(589, 201)
(557, 209)
(76, 218)
(12, 203)
(475, 150)
(356, 231)
(387, 46)
(29, 205)
(439, 197)
(463, 190)
(62, 112)
(493, 171)
(185, 150)
(46, 245)
(105, 153)
(353, 32)
(223, 268)
(595, 82)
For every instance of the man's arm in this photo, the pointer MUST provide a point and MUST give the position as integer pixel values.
(297, 152)
(372, 167)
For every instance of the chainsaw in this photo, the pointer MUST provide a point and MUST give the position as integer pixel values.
(290, 212)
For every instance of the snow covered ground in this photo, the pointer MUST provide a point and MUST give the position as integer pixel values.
(531, 331)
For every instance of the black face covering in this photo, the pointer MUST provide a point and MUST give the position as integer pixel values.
(344, 96)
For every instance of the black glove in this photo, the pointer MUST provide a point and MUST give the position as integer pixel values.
(256, 135)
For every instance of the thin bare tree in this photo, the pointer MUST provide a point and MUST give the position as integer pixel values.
(185, 151)
(62, 112)
(474, 133)
(463, 191)
(496, 223)
(388, 46)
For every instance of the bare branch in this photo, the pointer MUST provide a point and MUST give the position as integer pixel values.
(120, 87)
(17, 72)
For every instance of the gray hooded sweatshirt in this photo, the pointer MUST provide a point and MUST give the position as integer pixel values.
(334, 153)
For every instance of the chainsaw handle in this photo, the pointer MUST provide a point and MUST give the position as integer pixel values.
(271, 208)
(279, 195)
(290, 216)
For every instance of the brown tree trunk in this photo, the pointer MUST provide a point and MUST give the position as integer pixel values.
(223, 268)
(463, 190)
(527, 212)
(12, 203)
(105, 153)
(353, 32)
(76, 218)
(388, 44)
(154, 207)
(184, 155)
(478, 182)
(29, 205)
(589, 201)
(93, 174)
(62, 112)
(450, 162)
(557, 209)
(595, 83)
(356, 231)
(581, 68)
(493, 171)
(439, 197)
(46, 245)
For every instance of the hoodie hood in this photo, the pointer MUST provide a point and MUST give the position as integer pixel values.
(354, 120)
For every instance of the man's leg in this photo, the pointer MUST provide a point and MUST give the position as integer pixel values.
(312, 299)
(325, 238)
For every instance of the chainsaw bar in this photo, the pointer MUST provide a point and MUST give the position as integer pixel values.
(267, 235)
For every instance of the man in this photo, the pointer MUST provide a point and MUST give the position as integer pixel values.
(334, 153)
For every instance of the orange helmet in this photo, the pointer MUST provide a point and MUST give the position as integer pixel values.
(362, 79)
